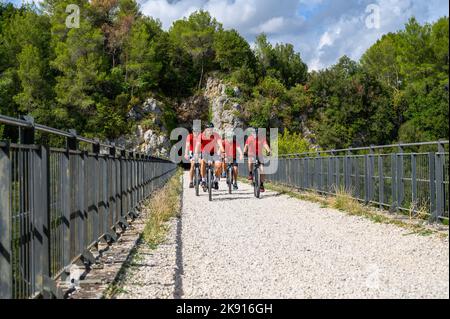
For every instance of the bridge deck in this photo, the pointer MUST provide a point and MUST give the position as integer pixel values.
(280, 247)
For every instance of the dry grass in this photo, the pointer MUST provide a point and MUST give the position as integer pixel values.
(163, 206)
(419, 211)
(344, 202)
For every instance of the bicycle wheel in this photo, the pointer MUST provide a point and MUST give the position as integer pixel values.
(230, 179)
(210, 183)
(257, 183)
(197, 181)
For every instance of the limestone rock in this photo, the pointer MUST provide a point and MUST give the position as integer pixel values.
(193, 108)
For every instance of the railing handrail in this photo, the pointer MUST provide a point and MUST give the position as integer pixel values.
(67, 134)
(368, 148)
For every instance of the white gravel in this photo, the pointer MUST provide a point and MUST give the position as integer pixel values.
(280, 247)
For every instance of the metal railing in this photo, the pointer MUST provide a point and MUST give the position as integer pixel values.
(413, 178)
(58, 203)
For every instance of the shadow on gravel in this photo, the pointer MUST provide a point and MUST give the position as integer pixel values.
(233, 194)
(179, 271)
(228, 199)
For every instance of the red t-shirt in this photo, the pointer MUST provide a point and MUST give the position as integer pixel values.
(208, 144)
(255, 145)
(230, 148)
(190, 140)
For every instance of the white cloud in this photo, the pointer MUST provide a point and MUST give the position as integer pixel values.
(273, 25)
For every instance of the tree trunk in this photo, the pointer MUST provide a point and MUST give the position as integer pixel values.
(201, 76)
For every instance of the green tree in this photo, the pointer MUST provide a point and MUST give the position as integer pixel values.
(25, 78)
(35, 89)
(292, 143)
(281, 62)
(196, 35)
(350, 107)
(141, 66)
(231, 50)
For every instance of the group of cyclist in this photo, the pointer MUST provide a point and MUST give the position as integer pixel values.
(210, 148)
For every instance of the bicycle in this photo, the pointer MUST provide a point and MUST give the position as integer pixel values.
(257, 178)
(210, 178)
(229, 174)
(197, 175)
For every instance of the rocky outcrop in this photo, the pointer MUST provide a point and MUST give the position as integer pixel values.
(217, 99)
(193, 108)
(153, 138)
(225, 109)
(150, 107)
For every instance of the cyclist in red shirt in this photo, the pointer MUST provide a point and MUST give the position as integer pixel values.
(254, 146)
(210, 145)
(231, 147)
(189, 152)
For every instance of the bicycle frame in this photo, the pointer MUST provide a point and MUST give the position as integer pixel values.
(197, 175)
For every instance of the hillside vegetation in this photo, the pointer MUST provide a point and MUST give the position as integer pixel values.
(88, 78)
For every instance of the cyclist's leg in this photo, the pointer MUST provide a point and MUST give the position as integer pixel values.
(191, 171)
(261, 169)
(224, 169)
(191, 174)
(203, 168)
(235, 172)
(218, 168)
(250, 167)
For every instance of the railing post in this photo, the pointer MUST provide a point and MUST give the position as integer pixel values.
(115, 175)
(96, 191)
(5, 224)
(26, 134)
(381, 181)
(394, 205)
(414, 182)
(400, 186)
(123, 184)
(439, 165)
(42, 226)
(366, 179)
(66, 207)
(110, 195)
(348, 171)
(338, 173)
(82, 204)
(331, 171)
(432, 180)
(72, 142)
(317, 172)
(70, 204)
(322, 175)
(370, 174)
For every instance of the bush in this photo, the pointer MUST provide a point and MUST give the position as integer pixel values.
(292, 143)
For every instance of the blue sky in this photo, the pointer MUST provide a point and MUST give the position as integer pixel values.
(321, 30)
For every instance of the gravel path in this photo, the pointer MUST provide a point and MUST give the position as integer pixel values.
(281, 247)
